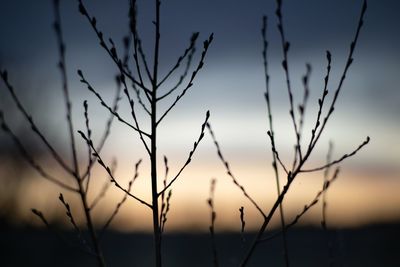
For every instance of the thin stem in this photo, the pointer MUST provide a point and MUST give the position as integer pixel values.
(346, 68)
(206, 45)
(106, 132)
(271, 134)
(285, 64)
(153, 154)
(230, 173)
(109, 172)
(125, 197)
(191, 153)
(345, 156)
(104, 104)
(33, 125)
(64, 78)
(210, 202)
(25, 154)
(313, 202)
(326, 173)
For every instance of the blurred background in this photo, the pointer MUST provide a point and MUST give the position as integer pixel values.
(231, 85)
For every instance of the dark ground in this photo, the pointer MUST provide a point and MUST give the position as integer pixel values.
(369, 246)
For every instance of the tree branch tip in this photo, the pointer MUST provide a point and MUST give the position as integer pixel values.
(36, 212)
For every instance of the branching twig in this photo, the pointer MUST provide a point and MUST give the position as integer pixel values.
(275, 155)
(64, 78)
(107, 130)
(108, 170)
(189, 52)
(346, 68)
(285, 64)
(115, 113)
(206, 45)
(133, 113)
(110, 51)
(306, 207)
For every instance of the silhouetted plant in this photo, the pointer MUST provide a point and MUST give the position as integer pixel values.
(301, 154)
(145, 80)
(150, 85)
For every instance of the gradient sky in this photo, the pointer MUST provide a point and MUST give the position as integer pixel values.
(231, 86)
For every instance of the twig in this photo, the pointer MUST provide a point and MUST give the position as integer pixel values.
(345, 156)
(72, 220)
(108, 170)
(116, 210)
(285, 64)
(110, 51)
(64, 78)
(105, 187)
(189, 52)
(275, 154)
(40, 215)
(306, 207)
(106, 132)
(210, 202)
(326, 173)
(35, 129)
(346, 68)
(242, 224)
(133, 113)
(83, 80)
(206, 45)
(189, 159)
(229, 172)
(25, 154)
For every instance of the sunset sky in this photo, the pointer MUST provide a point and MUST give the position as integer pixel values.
(231, 85)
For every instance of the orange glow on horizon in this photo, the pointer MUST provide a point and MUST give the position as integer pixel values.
(354, 199)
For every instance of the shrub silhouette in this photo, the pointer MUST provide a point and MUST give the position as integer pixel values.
(143, 79)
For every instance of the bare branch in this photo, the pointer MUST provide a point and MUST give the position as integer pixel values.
(105, 187)
(306, 207)
(285, 64)
(72, 220)
(25, 154)
(189, 53)
(119, 205)
(189, 159)
(64, 78)
(115, 113)
(230, 174)
(345, 156)
(33, 125)
(194, 74)
(108, 170)
(110, 51)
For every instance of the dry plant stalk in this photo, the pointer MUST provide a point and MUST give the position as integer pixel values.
(301, 154)
(145, 80)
